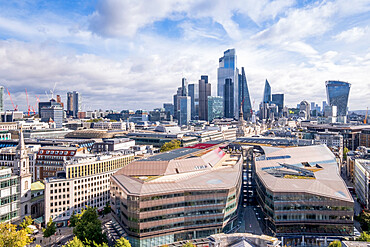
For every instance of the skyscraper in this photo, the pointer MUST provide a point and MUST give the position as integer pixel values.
(193, 90)
(229, 98)
(278, 99)
(244, 95)
(184, 87)
(185, 110)
(337, 93)
(1, 98)
(204, 92)
(228, 69)
(267, 93)
(168, 107)
(76, 103)
(70, 104)
(215, 107)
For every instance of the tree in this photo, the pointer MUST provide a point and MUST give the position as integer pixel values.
(364, 219)
(73, 220)
(345, 151)
(170, 145)
(25, 223)
(50, 229)
(188, 244)
(107, 208)
(335, 243)
(75, 242)
(122, 242)
(365, 237)
(9, 236)
(88, 227)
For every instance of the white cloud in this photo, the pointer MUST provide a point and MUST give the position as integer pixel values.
(352, 35)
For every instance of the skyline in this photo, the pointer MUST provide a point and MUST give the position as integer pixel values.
(141, 56)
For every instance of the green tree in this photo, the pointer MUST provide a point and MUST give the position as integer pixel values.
(335, 243)
(170, 145)
(364, 219)
(365, 237)
(88, 227)
(107, 208)
(50, 229)
(73, 220)
(122, 242)
(25, 223)
(9, 236)
(345, 151)
(75, 242)
(188, 244)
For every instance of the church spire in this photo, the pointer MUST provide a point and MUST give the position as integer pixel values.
(21, 146)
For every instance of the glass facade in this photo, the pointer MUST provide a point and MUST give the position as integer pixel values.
(215, 107)
(294, 213)
(338, 93)
(278, 99)
(185, 110)
(194, 95)
(244, 95)
(228, 69)
(9, 196)
(229, 98)
(267, 93)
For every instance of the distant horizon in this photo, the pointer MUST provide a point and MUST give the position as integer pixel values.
(122, 55)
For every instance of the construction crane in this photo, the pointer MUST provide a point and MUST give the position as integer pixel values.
(14, 107)
(365, 120)
(28, 105)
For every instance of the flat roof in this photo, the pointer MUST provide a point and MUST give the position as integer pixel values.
(170, 155)
(311, 169)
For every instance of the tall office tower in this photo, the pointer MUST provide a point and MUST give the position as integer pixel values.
(76, 103)
(44, 105)
(1, 98)
(229, 98)
(323, 105)
(168, 107)
(338, 93)
(184, 87)
(267, 93)
(228, 69)
(278, 99)
(185, 110)
(204, 92)
(215, 107)
(244, 95)
(70, 104)
(193, 90)
(176, 102)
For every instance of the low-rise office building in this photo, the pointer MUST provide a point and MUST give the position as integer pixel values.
(182, 194)
(84, 181)
(301, 192)
(362, 181)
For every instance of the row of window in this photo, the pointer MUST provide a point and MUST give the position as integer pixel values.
(8, 216)
(176, 215)
(293, 217)
(310, 207)
(8, 183)
(196, 223)
(181, 204)
(8, 199)
(187, 193)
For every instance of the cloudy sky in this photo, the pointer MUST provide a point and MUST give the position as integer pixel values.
(130, 54)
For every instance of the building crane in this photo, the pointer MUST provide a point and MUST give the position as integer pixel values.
(11, 100)
(52, 91)
(28, 105)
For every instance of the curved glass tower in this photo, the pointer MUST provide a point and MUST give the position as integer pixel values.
(338, 93)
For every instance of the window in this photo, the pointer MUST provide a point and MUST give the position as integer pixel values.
(26, 185)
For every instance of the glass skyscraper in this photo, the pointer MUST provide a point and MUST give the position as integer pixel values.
(267, 93)
(185, 110)
(215, 107)
(278, 99)
(193, 90)
(229, 98)
(1, 98)
(244, 95)
(228, 70)
(338, 93)
(204, 92)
